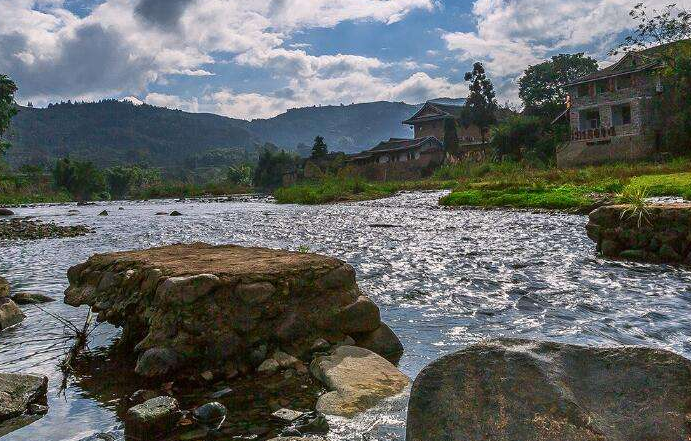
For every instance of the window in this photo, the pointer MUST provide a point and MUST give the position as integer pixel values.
(621, 115)
(590, 119)
(583, 89)
(623, 82)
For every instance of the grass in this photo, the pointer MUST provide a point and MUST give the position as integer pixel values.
(18, 192)
(169, 189)
(332, 189)
(520, 186)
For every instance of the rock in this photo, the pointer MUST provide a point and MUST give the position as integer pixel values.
(10, 314)
(175, 213)
(120, 208)
(360, 316)
(320, 345)
(157, 362)
(285, 360)
(358, 380)
(521, 390)
(207, 375)
(19, 391)
(382, 341)
(309, 422)
(103, 213)
(221, 393)
(4, 287)
(220, 308)
(152, 419)
(161, 213)
(30, 229)
(268, 367)
(6, 212)
(610, 248)
(99, 437)
(287, 414)
(37, 409)
(298, 438)
(141, 396)
(31, 298)
(210, 415)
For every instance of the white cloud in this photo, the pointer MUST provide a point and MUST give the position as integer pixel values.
(513, 34)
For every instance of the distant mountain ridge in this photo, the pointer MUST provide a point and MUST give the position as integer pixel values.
(114, 132)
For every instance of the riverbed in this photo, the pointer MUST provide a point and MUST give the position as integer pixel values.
(443, 279)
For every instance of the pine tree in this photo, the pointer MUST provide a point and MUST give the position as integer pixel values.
(481, 105)
(319, 149)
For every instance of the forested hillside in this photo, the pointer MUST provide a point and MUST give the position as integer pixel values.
(114, 132)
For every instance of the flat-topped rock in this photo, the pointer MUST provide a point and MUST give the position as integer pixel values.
(202, 307)
(19, 391)
(655, 233)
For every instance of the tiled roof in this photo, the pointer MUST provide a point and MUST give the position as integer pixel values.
(395, 145)
(632, 62)
(444, 107)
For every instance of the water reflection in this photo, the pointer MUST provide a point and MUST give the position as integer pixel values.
(443, 279)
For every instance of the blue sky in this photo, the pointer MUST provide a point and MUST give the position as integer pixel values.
(255, 59)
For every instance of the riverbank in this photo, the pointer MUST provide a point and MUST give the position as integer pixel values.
(511, 185)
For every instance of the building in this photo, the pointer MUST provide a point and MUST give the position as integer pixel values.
(430, 120)
(611, 112)
(423, 151)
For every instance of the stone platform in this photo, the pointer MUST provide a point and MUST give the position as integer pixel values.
(225, 308)
(657, 233)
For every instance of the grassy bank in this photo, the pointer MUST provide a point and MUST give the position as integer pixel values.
(514, 185)
(351, 189)
(19, 191)
(164, 190)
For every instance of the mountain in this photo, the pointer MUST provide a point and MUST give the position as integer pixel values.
(349, 129)
(113, 132)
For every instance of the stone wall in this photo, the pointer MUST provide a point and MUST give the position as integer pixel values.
(625, 148)
(659, 233)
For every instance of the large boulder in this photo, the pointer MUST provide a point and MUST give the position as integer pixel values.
(19, 391)
(655, 233)
(357, 379)
(521, 390)
(221, 308)
(382, 341)
(10, 314)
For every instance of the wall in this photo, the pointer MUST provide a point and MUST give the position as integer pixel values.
(618, 149)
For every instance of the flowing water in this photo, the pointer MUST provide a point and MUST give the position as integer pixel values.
(443, 278)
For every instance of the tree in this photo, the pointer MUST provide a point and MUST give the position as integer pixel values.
(481, 105)
(240, 175)
(7, 108)
(450, 134)
(542, 87)
(271, 167)
(319, 149)
(81, 178)
(120, 180)
(656, 27)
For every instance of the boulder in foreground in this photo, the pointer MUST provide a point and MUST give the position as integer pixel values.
(222, 309)
(19, 391)
(152, 419)
(357, 378)
(523, 390)
(10, 314)
(656, 233)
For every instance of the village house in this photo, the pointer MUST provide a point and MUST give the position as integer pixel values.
(414, 157)
(611, 112)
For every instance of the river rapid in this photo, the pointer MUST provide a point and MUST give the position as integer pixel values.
(443, 279)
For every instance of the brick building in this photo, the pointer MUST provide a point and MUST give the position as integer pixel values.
(611, 112)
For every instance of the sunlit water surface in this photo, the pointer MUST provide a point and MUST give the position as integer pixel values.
(443, 279)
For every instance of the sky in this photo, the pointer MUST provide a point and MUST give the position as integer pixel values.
(257, 58)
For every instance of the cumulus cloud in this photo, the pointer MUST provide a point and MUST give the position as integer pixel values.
(123, 46)
(512, 34)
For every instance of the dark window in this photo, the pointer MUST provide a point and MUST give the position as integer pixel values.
(583, 89)
(626, 114)
(601, 87)
(623, 82)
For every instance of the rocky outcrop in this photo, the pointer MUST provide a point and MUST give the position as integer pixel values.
(10, 314)
(524, 390)
(222, 308)
(29, 229)
(18, 392)
(152, 419)
(357, 379)
(656, 233)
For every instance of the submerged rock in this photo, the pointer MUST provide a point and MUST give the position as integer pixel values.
(10, 314)
(6, 212)
(31, 298)
(655, 233)
(222, 308)
(19, 391)
(103, 213)
(175, 213)
(522, 390)
(152, 419)
(28, 229)
(307, 423)
(358, 380)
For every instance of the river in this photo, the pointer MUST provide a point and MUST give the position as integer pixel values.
(442, 278)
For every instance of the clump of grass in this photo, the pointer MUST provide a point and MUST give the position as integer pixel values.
(563, 197)
(635, 197)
